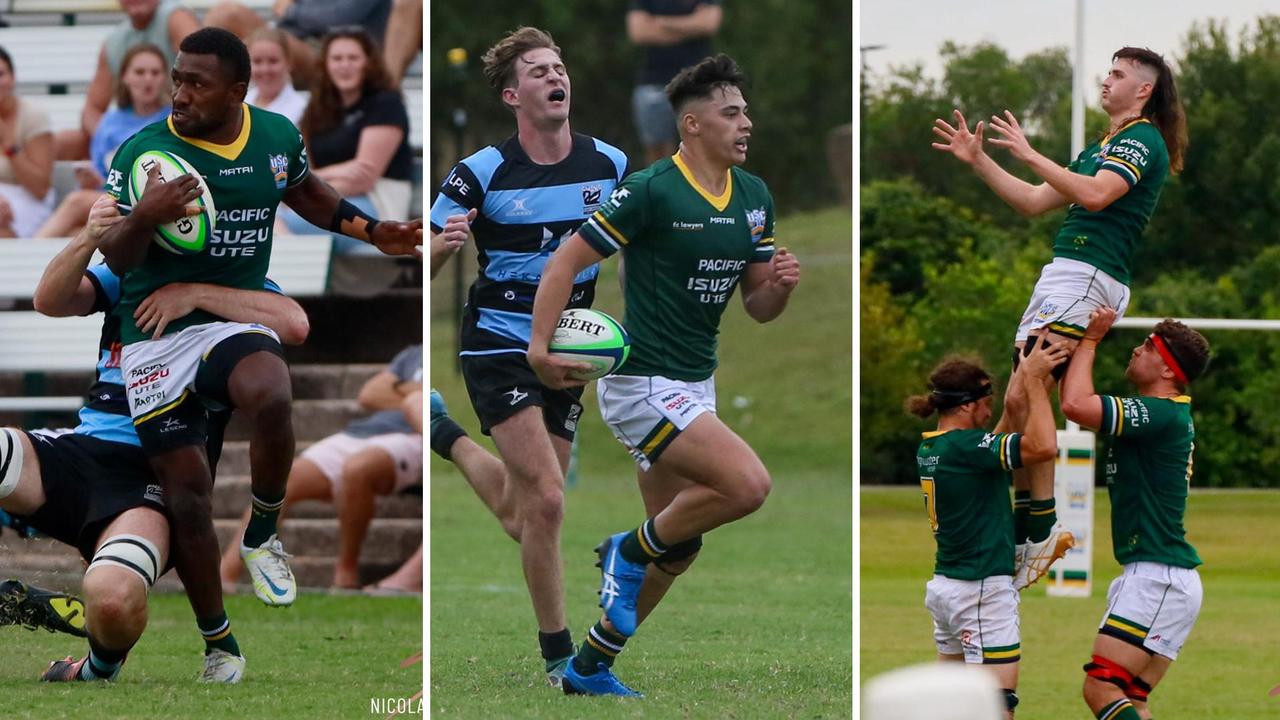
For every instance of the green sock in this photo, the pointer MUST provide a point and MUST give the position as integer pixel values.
(1041, 519)
(262, 520)
(1121, 709)
(601, 646)
(217, 634)
(642, 545)
(1021, 508)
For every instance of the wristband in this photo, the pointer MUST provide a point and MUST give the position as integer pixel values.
(351, 221)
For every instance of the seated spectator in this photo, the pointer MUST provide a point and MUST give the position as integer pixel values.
(142, 98)
(163, 24)
(357, 132)
(303, 21)
(376, 455)
(26, 159)
(270, 85)
(408, 577)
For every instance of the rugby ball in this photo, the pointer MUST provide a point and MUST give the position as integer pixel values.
(590, 336)
(184, 236)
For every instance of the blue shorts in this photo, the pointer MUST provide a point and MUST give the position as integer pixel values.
(655, 120)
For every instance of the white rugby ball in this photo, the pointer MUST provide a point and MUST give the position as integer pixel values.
(184, 236)
(592, 337)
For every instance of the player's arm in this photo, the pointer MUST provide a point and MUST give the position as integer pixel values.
(1093, 193)
(177, 300)
(97, 97)
(357, 176)
(572, 257)
(386, 391)
(125, 244)
(966, 147)
(446, 243)
(1040, 433)
(645, 28)
(319, 204)
(64, 289)
(1080, 403)
(766, 286)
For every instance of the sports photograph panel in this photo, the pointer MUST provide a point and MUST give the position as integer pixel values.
(640, 410)
(211, 462)
(1067, 334)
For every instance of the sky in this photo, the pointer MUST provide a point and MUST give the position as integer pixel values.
(912, 30)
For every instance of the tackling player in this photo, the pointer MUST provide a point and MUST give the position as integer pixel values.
(522, 198)
(1112, 189)
(964, 474)
(691, 228)
(251, 160)
(1152, 606)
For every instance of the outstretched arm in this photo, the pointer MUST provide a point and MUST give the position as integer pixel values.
(1093, 193)
(177, 300)
(766, 287)
(320, 205)
(966, 146)
(1080, 403)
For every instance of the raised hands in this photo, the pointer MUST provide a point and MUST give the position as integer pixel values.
(964, 145)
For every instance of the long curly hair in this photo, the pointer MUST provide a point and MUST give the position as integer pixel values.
(1163, 108)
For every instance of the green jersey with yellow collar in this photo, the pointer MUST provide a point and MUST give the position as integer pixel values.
(247, 179)
(685, 251)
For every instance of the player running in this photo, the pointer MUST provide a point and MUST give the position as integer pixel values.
(1152, 606)
(93, 488)
(522, 198)
(691, 228)
(964, 474)
(1111, 190)
(251, 160)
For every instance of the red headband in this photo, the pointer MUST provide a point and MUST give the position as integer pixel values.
(1169, 360)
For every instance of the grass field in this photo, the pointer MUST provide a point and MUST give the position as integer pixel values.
(760, 628)
(1225, 670)
(324, 657)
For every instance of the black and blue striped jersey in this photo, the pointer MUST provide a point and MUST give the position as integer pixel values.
(524, 211)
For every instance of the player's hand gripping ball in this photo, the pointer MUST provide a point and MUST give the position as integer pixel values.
(591, 337)
(186, 235)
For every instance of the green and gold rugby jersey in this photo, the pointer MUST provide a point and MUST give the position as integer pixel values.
(964, 475)
(1148, 474)
(685, 251)
(247, 178)
(1106, 239)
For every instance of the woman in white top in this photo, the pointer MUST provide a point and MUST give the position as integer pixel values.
(271, 86)
(26, 159)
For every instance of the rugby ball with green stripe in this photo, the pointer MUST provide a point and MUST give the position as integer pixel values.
(592, 337)
(184, 236)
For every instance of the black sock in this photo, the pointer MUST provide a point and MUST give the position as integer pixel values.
(601, 646)
(262, 519)
(642, 545)
(1041, 518)
(1021, 508)
(217, 634)
(444, 433)
(102, 662)
(555, 646)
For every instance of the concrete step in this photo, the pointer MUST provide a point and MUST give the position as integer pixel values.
(312, 419)
(231, 496)
(387, 537)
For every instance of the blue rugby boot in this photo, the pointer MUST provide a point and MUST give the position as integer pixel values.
(620, 581)
(601, 682)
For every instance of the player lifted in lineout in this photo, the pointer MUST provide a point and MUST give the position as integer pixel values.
(521, 199)
(251, 160)
(1110, 190)
(691, 228)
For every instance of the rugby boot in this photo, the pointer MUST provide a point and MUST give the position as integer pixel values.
(33, 607)
(268, 566)
(1039, 556)
(221, 666)
(620, 581)
(601, 682)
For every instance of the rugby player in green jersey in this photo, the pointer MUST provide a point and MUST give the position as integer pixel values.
(691, 228)
(251, 160)
(1093, 249)
(964, 474)
(1152, 606)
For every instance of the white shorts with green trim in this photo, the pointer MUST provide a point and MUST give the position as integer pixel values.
(646, 413)
(977, 618)
(1065, 294)
(158, 374)
(1153, 606)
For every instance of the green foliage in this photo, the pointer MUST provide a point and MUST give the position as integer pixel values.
(796, 98)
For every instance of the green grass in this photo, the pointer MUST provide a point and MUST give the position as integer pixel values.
(1225, 670)
(760, 627)
(324, 657)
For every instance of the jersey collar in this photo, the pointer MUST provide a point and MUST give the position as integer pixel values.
(933, 434)
(1122, 128)
(231, 150)
(719, 202)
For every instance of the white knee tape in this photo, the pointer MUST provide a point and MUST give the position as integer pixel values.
(10, 460)
(131, 552)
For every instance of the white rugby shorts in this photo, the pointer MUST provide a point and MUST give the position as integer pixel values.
(158, 374)
(976, 618)
(1153, 606)
(1064, 296)
(646, 413)
(405, 449)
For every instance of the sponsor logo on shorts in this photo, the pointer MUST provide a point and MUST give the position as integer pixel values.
(154, 493)
(966, 639)
(1046, 311)
(147, 400)
(571, 422)
(172, 424)
(516, 395)
(142, 381)
(678, 402)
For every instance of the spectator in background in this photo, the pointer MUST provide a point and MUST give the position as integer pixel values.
(403, 40)
(142, 98)
(357, 132)
(304, 21)
(375, 455)
(162, 24)
(672, 34)
(26, 159)
(408, 577)
(271, 87)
